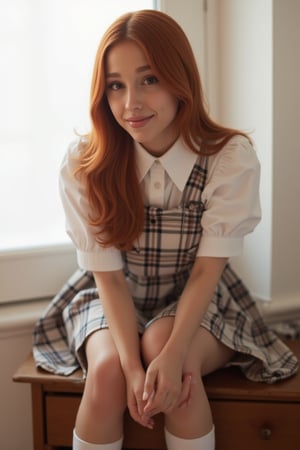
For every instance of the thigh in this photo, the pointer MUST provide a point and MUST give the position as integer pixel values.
(205, 354)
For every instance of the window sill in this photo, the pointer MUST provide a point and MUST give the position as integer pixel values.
(19, 318)
(40, 272)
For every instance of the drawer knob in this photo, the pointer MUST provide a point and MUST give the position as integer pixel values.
(265, 433)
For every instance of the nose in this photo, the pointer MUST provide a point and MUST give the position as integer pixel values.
(133, 98)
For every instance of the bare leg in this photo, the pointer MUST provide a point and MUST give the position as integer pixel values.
(205, 355)
(100, 414)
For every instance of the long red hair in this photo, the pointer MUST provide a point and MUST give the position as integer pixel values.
(107, 161)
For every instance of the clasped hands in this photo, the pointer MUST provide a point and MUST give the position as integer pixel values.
(158, 390)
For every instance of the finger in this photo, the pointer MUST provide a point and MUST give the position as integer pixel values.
(161, 402)
(156, 403)
(192, 387)
(147, 421)
(140, 407)
(149, 386)
(150, 407)
(142, 419)
(185, 390)
(192, 390)
(133, 408)
(149, 401)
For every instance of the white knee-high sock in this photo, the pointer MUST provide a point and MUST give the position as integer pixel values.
(79, 444)
(206, 442)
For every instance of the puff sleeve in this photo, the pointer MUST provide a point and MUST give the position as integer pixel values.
(90, 254)
(231, 199)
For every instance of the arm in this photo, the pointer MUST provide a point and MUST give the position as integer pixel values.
(194, 302)
(164, 374)
(121, 317)
(232, 210)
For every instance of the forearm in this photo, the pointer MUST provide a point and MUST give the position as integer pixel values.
(121, 316)
(194, 302)
(165, 374)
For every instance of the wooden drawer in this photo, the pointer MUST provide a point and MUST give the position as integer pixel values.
(256, 425)
(239, 425)
(60, 414)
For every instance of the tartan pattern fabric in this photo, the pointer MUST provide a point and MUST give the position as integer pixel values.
(51, 346)
(157, 269)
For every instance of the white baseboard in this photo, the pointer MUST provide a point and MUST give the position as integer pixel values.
(280, 309)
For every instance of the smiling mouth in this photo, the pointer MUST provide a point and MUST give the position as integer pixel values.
(138, 122)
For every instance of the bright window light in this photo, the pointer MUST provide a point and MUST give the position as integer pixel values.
(47, 52)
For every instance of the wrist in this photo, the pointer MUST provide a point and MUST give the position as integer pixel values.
(179, 347)
(131, 364)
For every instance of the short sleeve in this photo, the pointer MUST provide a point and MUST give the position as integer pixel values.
(231, 199)
(90, 254)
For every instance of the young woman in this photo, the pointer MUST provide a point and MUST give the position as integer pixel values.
(157, 198)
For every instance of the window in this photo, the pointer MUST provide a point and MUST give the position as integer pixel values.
(47, 53)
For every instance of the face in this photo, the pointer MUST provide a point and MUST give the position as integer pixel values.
(139, 101)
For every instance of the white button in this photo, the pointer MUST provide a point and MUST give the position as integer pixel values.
(157, 185)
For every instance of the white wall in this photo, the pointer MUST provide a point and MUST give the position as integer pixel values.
(245, 101)
(286, 152)
(259, 73)
(15, 422)
(235, 61)
(16, 325)
(192, 20)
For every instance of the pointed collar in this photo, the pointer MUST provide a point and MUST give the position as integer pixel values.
(178, 162)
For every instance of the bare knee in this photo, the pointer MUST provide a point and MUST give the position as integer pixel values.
(105, 387)
(155, 337)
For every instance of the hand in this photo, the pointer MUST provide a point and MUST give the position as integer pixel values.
(165, 386)
(187, 391)
(184, 400)
(135, 386)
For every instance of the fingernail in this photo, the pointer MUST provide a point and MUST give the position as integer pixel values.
(145, 395)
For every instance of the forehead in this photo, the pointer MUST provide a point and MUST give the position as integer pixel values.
(125, 55)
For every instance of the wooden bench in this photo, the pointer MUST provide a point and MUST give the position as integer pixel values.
(247, 415)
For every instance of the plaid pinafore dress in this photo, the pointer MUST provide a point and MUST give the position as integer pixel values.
(157, 269)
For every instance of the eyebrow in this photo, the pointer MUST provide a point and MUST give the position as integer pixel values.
(138, 70)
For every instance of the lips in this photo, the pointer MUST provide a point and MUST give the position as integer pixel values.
(138, 122)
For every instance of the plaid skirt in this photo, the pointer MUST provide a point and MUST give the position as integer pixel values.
(76, 312)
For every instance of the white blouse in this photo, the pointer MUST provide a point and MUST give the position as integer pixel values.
(231, 199)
